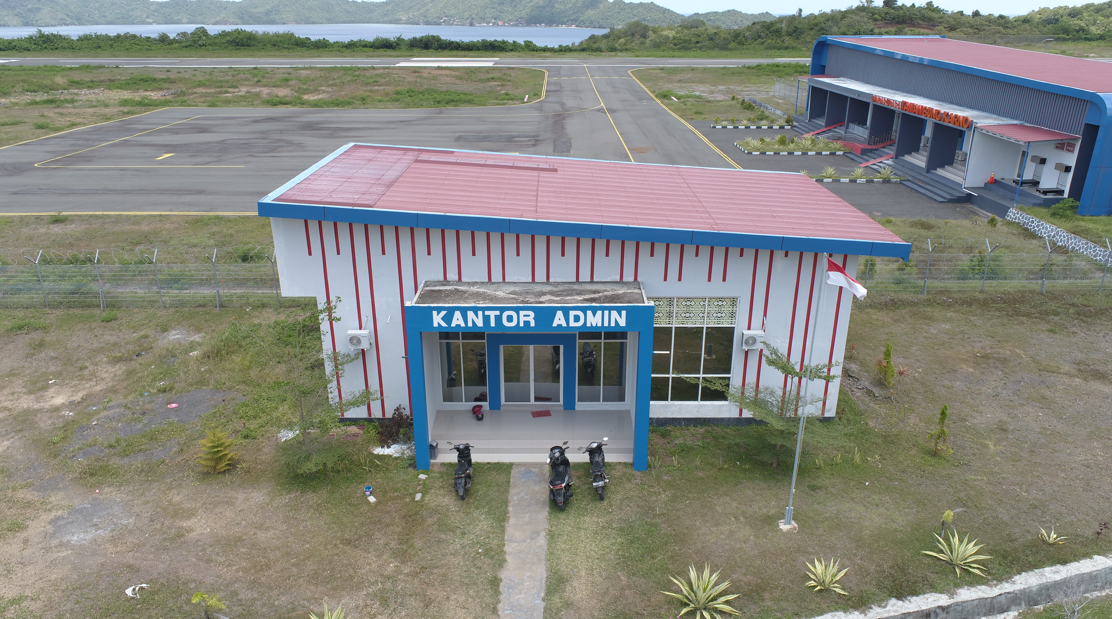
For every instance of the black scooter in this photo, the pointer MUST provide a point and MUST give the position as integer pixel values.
(464, 469)
(559, 485)
(599, 478)
(587, 357)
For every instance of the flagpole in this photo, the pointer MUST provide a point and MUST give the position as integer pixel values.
(806, 390)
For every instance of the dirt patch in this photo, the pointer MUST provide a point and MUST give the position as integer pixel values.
(91, 520)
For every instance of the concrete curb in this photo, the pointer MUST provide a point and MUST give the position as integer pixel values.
(751, 126)
(858, 180)
(797, 153)
(1035, 588)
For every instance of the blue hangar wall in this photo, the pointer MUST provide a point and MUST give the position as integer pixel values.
(1060, 108)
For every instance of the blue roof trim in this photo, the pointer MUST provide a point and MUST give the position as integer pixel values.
(830, 246)
(291, 211)
(735, 239)
(346, 214)
(478, 223)
(646, 235)
(555, 228)
(891, 250)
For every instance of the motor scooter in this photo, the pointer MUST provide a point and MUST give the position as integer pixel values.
(599, 478)
(587, 357)
(559, 484)
(464, 468)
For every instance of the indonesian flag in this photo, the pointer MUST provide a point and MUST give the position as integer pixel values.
(837, 276)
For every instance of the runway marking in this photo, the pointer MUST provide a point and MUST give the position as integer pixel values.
(164, 156)
(444, 64)
(630, 155)
(41, 164)
(80, 128)
(701, 136)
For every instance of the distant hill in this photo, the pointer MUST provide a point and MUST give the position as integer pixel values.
(585, 13)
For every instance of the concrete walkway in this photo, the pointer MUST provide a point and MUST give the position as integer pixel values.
(523, 574)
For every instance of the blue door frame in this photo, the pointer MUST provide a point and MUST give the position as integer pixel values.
(529, 324)
(494, 362)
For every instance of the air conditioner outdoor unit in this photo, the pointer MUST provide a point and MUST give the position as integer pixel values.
(1037, 160)
(1061, 167)
(751, 340)
(359, 339)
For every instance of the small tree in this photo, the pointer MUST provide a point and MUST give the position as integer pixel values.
(216, 452)
(885, 369)
(940, 437)
(208, 602)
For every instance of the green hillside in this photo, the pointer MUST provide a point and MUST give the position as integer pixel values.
(586, 13)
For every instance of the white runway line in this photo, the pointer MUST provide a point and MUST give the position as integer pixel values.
(444, 64)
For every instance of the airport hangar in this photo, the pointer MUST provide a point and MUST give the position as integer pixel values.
(467, 277)
(964, 112)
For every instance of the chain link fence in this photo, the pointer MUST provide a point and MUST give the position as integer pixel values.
(792, 90)
(141, 277)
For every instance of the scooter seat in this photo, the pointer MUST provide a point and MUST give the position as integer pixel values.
(461, 469)
(559, 476)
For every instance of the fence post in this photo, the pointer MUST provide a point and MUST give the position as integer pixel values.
(100, 284)
(988, 258)
(274, 269)
(927, 273)
(215, 278)
(1047, 266)
(1107, 257)
(157, 280)
(868, 263)
(39, 273)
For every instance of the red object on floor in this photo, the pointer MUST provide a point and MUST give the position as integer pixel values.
(541, 414)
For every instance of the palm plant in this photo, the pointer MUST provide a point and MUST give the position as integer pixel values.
(750, 144)
(825, 577)
(858, 173)
(1051, 538)
(703, 596)
(216, 452)
(961, 554)
(885, 173)
(828, 172)
(335, 614)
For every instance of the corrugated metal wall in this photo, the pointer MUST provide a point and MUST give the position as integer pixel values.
(1036, 107)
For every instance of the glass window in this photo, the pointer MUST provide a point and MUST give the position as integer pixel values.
(601, 373)
(463, 367)
(692, 338)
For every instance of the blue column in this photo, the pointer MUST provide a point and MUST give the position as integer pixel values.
(416, 351)
(641, 411)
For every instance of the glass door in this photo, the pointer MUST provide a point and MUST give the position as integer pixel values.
(532, 374)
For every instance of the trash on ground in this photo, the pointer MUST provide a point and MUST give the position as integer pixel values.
(133, 591)
(286, 435)
(194, 353)
(372, 499)
(368, 490)
(418, 497)
(68, 413)
(398, 450)
(51, 382)
(172, 405)
(422, 477)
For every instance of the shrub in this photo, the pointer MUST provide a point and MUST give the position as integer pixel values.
(782, 139)
(828, 172)
(1051, 538)
(885, 172)
(216, 455)
(975, 268)
(718, 120)
(208, 602)
(702, 595)
(733, 120)
(335, 614)
(885, 369)
(788, 120)
(960, 554)
(1066, 209)
(394, 429)
(993, 221)
(858, 173)
(940, 437)
(825, 577)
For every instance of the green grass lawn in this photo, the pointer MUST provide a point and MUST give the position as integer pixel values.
(1095, 229)
(707, 93)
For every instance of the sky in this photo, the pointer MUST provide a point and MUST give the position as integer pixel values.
(1008, 7)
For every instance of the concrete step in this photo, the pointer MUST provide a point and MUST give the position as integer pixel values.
(918, 159)
(954, 174)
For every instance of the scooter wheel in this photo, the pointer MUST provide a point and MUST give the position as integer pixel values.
(602, 493)
(562, 506)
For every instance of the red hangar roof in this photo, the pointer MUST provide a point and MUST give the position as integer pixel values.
(1076, 73)
(493, 192)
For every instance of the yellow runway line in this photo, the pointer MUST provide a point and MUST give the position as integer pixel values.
(628, 154)
(85, 127)
(703, 137)
(85, 150)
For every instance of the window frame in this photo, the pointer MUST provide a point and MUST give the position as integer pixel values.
(672, 325)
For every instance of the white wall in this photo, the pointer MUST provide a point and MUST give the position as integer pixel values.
(990, 154)
(383, 257)
(1049, 174)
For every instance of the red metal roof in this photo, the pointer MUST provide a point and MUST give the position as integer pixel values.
(582, 191)
(1050, 68)
(1026, 133)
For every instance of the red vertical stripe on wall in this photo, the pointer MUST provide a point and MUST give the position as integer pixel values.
(374, 316)
(795, 306)
(576, 259)
(592, 260)
(444, 253)
(359, 309)
(382, 238)
(428, 241)
(401, 302)
(328, 300)
(489, 278)
(652, 250)
(562, 244)
(833, 337)
(607, 248)
(749, 322)
(679, 271)
(459, 259)
(413, 253)
(741, 252)
(667, 251)
(472, 243)
(807, 321)
(710, 265)
(725, 261)
(533, 257)
(503, 255)
(308, 239)
(696, 251)
(517, 240)
(547, 258)
(764, 314)
(636, 258)
(622, 262)
(336, 232)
